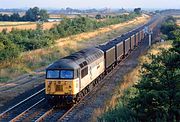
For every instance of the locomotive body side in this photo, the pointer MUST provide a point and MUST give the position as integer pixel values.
(93, 70)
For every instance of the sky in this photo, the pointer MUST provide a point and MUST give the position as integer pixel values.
(82, 4)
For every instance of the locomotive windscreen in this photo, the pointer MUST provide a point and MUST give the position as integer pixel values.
(66, 74)
(60, 74)
(52, 74)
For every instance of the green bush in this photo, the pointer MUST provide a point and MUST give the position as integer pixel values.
(4, 79)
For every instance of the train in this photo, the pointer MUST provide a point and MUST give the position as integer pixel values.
(72, 77)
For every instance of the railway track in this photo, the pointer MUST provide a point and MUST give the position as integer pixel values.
(23, 106)
(59, 113)
(52, 115)
(26, 114)
(7, 88)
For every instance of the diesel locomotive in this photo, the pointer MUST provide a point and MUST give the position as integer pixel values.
(71, 77)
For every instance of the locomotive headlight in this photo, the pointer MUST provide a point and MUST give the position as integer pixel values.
(70, 88)
(48, 82)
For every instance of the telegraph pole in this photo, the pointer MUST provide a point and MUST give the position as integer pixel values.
(150, 37)
(148, 32)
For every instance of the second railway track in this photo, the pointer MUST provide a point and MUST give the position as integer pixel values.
(22, 106)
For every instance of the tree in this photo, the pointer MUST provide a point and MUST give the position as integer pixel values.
(1, 17)
(98, 16)
(1, 46)
(35, 14)
(8, 49)
(32, 14)
(15, 17)
(43, 15)
(158, 89)
(6, 17)
(168, 26)
(176, 43)
(137, 10)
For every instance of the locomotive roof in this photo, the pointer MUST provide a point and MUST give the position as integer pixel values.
(78, 59)
(63, 64)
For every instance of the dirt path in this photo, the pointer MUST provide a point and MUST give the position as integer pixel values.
(98, 98)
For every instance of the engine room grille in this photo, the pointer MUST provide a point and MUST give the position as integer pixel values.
(59, 88)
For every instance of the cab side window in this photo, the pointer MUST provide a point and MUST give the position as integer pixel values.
(84, 72)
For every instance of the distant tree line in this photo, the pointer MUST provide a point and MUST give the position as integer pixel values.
(17, 41)
(155, 98)
(32, 14)
(85, 11)
(137, 10)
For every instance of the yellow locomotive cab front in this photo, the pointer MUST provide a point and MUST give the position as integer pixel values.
(61, 87)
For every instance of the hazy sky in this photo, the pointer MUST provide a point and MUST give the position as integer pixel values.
(90, 3)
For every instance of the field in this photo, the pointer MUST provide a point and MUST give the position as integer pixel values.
(24, 25)
(177, 17)
(2, 24)
(178, 22)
